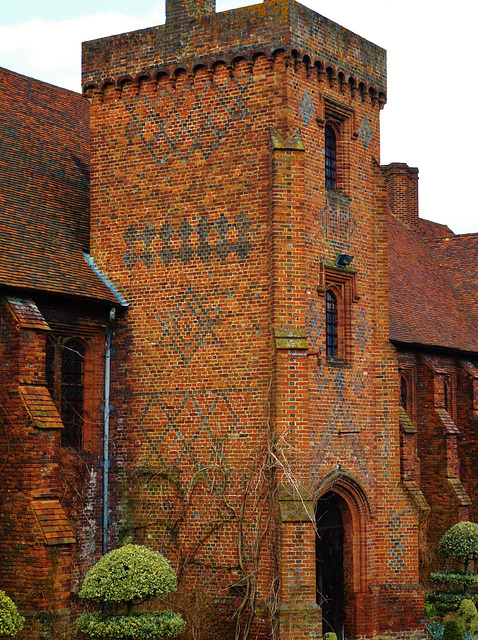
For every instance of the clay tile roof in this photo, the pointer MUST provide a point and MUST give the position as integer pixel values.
(405, 422)
(53, 522)
(458, 258)
(427, 306)
(40, 407)
(44, 189)
(26, 313)
(447, 421)
(429, 229)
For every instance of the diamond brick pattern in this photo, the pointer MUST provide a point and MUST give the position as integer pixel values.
(313, 323)
(362, 330)
(320, 379)
(341, 427)
(306, 107)
(201, 411)
(397, 550)
(205, 240)
(175, 124)
(359, 384)
(139, 245)
(365, 132)
(337, 220)
(189, 326)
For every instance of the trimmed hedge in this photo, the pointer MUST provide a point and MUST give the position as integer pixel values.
(143, 625)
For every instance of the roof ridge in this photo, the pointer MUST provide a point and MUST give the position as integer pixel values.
(42, 82)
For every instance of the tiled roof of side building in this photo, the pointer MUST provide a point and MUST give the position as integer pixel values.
(425, 306)
(44, 189)
(429, 229)
(458, 258)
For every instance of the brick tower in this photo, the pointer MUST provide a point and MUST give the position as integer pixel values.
(237, 204)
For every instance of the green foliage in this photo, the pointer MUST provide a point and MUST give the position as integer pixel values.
(11, 622)
(455, 577)
(452, 631)
(143, 625)
(130, 573)
(445, 602)
(467, 616)
(330, 636)
(127, 576)
(460, 541)
(434, 629)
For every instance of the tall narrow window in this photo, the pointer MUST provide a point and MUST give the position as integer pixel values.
(72, 391)
(65, 360)
(447, 399)
(330, 156)
(331, 324)
(403, 392)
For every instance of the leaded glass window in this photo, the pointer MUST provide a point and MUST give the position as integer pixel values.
(64, 370)
(330, 156)
(331, 324)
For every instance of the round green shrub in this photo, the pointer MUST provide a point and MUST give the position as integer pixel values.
(131, 573)
(125, 577)
(467, 616)
(330, 636)
(143, 625)
(452, 631)
(11, 622)
(461, 542)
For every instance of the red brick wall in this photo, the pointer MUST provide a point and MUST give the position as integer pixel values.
(446, 450)
(39, 572)
(209, 213)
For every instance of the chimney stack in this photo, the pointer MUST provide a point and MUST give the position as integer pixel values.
(183, 11)
(402, 182)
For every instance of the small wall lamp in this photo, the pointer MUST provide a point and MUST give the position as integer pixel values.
(343, 260)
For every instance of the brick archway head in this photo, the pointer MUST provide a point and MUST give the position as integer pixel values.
(354, 499)
(349, 488)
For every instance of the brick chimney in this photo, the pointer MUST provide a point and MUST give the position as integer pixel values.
(180, 11)
(402, 182)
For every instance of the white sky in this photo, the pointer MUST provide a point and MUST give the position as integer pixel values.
(429, 120)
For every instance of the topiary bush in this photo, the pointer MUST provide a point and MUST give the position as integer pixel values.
(11, 622)
(452, 631)
(459, 542)
(467, 616)
(120, 580)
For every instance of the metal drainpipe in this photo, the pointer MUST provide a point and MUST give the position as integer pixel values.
(106, 431)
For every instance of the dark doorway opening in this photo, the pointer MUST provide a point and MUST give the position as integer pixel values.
(330, 564)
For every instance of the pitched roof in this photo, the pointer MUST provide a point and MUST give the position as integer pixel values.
(458, 258)
(44, 189)
(428, 305)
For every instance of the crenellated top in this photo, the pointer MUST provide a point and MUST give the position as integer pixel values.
(324, 73)
(279, 30)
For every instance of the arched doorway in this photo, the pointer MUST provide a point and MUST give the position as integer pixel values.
(330, 564)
